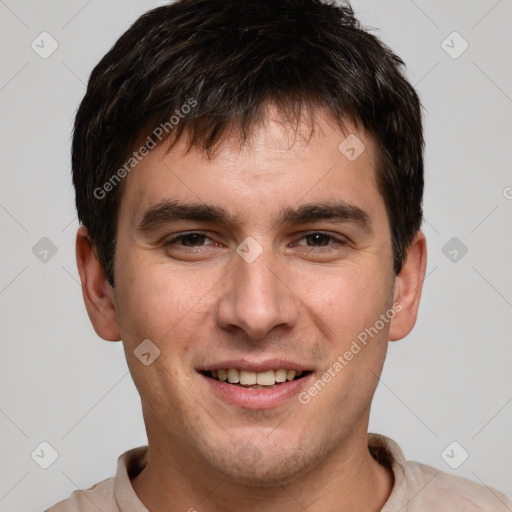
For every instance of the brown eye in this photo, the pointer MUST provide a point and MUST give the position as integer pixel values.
(318, 239)
(321, 239)
(192, 240)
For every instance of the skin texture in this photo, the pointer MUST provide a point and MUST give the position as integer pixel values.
(297, 301)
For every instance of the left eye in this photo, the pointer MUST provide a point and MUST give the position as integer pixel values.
(319, 239)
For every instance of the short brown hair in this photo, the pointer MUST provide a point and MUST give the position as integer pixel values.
(234, 58)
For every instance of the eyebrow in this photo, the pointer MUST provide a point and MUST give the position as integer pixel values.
(166, 212)
(333, 210)
(170, 211)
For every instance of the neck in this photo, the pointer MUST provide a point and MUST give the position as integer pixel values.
(348, 479)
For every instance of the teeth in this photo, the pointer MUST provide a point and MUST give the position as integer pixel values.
(290, 374)
(249, 378)
(280, 375)
(266, 378)
(233, 376)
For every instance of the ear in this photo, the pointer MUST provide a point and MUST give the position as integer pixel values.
(408, 286)
(97, 291)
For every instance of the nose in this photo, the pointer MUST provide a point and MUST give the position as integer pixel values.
(256, 297)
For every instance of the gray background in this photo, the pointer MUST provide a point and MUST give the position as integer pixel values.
(450, 380)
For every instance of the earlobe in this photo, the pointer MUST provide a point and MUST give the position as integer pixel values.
(408, 287)
(97, 291)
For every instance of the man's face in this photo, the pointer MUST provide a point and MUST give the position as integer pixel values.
(280, 257)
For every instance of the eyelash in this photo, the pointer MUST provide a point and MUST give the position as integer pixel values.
(324, 248)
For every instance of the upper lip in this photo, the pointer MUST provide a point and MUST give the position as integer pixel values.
(255, 366)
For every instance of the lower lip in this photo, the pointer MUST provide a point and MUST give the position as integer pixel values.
(257, 398)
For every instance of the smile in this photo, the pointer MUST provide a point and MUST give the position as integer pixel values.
(256, 386)
(255, 380)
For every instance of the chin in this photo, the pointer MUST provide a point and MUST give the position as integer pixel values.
(266, 472)
(270, 467)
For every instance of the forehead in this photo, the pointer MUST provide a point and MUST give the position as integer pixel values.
(278, 166)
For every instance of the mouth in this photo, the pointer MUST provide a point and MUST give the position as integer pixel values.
(249, 379)
(256, 384)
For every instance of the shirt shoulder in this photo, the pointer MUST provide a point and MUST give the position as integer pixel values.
(419, 488)
(114, 494)
(99, 497)
(432, 489)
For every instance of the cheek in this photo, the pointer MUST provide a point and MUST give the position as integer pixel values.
(347, 300)
(161, 303)
(358, 337)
